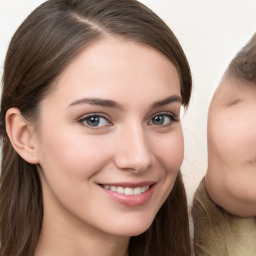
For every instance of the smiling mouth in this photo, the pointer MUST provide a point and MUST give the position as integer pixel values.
(127, 190)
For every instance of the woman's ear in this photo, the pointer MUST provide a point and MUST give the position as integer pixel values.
(22, 135)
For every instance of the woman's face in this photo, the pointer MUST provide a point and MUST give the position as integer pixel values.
(232, 137)
(110, 143)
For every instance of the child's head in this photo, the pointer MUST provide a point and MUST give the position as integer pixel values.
(230, 178)
(231, 129)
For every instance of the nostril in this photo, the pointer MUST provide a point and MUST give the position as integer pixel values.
(134, 164)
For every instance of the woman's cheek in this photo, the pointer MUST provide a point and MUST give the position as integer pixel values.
(170, 151)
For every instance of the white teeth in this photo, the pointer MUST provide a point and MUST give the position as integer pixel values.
(107, 187)
(120, 190)
(137, 191)
(126, 190)
(113, 188)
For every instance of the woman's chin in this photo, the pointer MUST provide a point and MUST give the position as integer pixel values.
(132, 229)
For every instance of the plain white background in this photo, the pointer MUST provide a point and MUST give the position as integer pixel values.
(210, 31)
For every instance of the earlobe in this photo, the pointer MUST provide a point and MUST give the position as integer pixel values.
(21, 135)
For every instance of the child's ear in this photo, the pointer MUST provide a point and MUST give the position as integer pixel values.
(22, 135)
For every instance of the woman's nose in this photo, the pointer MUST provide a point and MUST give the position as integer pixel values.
(133, 152)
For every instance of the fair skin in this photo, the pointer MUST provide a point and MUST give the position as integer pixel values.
(231, 174)
(111, 121)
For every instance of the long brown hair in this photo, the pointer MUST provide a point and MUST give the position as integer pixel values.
(41, 48)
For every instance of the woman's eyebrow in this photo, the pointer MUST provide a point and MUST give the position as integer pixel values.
(173, 98)
(97, 102)
(114, 104)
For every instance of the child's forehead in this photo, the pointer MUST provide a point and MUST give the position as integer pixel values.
(231, 90)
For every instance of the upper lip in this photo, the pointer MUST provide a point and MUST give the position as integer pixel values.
(128, 184)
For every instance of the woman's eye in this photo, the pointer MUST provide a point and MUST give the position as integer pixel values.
(163, 119)
(94, 121)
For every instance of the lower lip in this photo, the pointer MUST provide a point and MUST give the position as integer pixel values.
(135, 200)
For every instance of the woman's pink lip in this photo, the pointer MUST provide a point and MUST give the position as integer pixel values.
(131, 200)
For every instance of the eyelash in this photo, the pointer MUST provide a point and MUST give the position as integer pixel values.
(172, 118)
(94, 116)
(97, 117)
